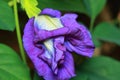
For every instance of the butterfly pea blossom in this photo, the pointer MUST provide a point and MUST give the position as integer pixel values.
(50, 39)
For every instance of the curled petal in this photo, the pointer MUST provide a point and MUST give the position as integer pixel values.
(51, 12)
(66, 70)
(78, 38)
(59, 48)
(59, 53)
(33, 52)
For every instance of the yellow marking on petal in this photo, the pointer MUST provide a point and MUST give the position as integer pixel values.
(48, 23)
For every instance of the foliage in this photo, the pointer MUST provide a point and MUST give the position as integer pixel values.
(30, 7)
(11, 66)
(94, 7)
(98, 68)
(65, 5)
(82, 6)
(6, 20)
(109, 34)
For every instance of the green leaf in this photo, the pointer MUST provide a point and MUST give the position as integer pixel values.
(11, 66)
(30, 7)
(6, 17)
(106, 32)
(99, 68)
(64, 5)
(94, 7)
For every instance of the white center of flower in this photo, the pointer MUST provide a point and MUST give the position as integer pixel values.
(48, 23)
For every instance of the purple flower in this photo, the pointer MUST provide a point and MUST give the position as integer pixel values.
(49, 39)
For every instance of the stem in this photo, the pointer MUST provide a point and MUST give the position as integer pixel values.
(18, 31)
(91, 24)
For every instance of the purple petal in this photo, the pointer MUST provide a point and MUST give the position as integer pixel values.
(59, 48)
(66, 70)
(33, 52)
(78, 38)
(51, 12)
(59, 53)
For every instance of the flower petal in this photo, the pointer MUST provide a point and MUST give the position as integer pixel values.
(46, 23)
(59, 47)
(66, 70)
(51, 12)
(59, 53)
(78, 38)
(33, 52)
